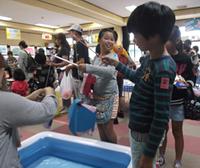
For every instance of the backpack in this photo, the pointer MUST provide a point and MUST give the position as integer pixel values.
(30, 61)
(121, 57)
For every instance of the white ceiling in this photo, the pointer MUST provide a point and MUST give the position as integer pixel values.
(27, 14)
(118, 6)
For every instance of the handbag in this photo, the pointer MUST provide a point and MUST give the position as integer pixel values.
(192, 106)
(82, 117)
(104, 107)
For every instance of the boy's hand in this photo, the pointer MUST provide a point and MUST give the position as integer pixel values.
(110, 61)
(82, 67)
(146, 162)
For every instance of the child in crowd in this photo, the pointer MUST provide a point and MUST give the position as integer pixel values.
(152, 24)
(11, 61)
(33, 83)
(184, 67)
(45, 73)
(105, 92)
(41, 50)
(19, 86)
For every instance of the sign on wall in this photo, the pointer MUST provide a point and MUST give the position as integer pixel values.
(3, 49)
(13, 34)
(46, 36)
(193, 24)
(15, 50)
(94, 38)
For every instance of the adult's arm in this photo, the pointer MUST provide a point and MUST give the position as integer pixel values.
(23, 112)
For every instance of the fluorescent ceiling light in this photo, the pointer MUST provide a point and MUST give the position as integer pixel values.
(97, 25)
(131, 8)
(5, 18)
(49, 26)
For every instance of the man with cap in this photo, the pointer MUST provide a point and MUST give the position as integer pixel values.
(80, 57)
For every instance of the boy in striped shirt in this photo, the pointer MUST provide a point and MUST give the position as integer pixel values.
(152, 25)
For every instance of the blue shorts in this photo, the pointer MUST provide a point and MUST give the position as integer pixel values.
(177, 113)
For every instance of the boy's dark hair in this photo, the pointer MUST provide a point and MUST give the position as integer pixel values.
(10, 53)
(103, 31)
(2, 61)
(176, 34)
(188, 42)
(19, 75)
(41, 50)
(23, 44)
(186, 47)
(196, 48)
(152, 18)
(40, 58)
(115, 35)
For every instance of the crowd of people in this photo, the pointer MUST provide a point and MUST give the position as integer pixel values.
(153, 102)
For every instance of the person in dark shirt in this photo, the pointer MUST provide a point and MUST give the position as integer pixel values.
(185, 68)
(63, 52)
(80, 57)
(151, 24)
(44, 73)
(33, 83)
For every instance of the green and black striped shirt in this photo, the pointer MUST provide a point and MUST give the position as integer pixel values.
(150, 99)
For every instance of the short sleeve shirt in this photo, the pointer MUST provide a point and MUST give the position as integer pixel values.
(63, 51)
(81, 51)
(13, 60)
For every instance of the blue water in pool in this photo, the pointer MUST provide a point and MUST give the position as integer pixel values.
(52, 162)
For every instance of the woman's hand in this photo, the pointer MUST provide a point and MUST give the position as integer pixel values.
(67, 69)
(110, 61)
(38, 94)
(53, 64)
(187, 85)
(82, 67)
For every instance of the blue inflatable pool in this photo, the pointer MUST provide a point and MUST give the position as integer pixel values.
(54, 150)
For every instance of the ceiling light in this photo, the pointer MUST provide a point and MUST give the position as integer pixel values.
(97, 25)
(5, 18)
(49, 26)
(131, 8)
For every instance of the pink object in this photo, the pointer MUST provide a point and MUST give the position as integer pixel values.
(197, 93)
(67, 93)
(30, 50)
(64, 60)
(91, 108)
(164, 83)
